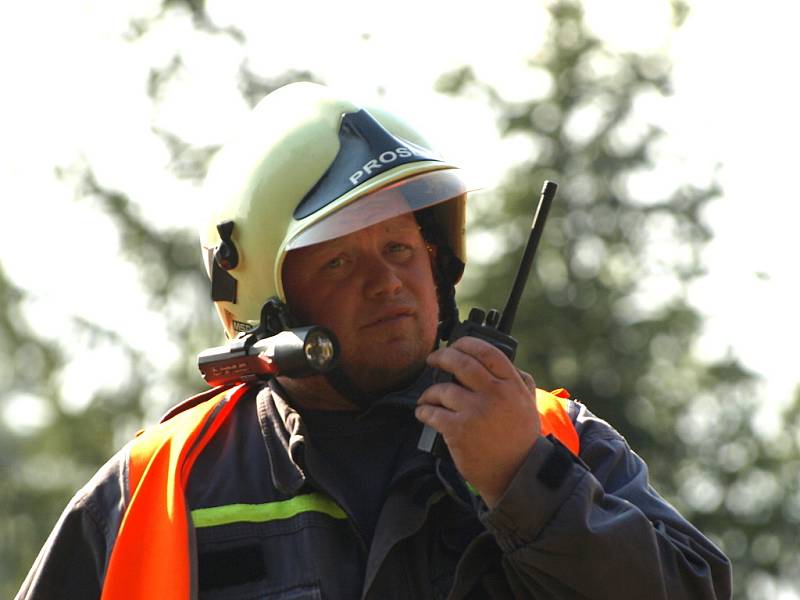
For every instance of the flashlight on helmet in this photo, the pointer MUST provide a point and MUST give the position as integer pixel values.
(297, 352)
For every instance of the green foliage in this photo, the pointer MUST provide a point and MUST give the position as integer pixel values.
(592, 325)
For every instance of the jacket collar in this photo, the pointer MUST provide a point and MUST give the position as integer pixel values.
(285, 438)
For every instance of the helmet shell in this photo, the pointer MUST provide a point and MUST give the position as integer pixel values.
(303, 157)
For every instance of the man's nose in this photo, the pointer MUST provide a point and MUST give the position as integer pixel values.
(382, 279)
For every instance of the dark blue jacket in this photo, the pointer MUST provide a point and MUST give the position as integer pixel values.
(271, 521)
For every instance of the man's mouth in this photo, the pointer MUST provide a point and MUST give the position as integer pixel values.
(390, 316)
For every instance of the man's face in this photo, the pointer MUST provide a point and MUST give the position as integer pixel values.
(375, 290)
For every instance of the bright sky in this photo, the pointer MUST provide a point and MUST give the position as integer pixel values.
(75, 90)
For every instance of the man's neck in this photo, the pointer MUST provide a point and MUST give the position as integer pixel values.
(315, 393)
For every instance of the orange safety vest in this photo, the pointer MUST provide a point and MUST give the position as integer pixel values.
(150, 558)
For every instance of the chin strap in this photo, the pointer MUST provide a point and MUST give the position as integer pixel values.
(446, 267)
(448, 309)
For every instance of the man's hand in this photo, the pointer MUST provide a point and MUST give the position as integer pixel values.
(489, 421)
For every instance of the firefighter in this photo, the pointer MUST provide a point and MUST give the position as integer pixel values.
(344, 217)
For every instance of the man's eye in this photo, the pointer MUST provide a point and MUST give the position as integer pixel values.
(334, 263)
(398, 249)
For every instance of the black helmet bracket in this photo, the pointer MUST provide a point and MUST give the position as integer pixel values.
(226, 257)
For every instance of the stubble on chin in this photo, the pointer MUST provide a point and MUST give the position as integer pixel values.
(316, 392)
(382, 368)
(376, 381)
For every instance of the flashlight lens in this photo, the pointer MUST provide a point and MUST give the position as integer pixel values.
(319, 350)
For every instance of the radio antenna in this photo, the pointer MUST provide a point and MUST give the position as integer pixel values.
(537, 227)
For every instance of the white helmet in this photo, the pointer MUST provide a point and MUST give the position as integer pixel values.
(310, 166)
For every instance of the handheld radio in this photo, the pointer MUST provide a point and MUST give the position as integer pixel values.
(494, 326)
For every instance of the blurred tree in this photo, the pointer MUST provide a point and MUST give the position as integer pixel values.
(608, 316)
(48, 449)
(596, 326)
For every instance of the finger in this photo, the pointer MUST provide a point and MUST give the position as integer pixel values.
(442, 420)
(474, 364)
(468, 371)
(527, 379)
(490, 356)
(450, 396)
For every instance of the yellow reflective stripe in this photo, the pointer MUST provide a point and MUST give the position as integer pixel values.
(269, 511)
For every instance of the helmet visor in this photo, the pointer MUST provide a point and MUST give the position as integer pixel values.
(400, 197)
